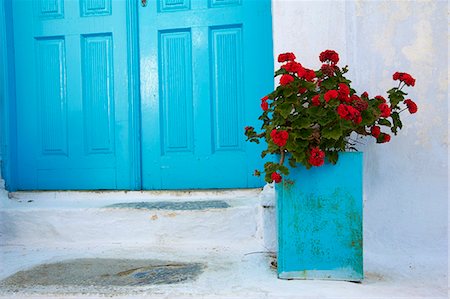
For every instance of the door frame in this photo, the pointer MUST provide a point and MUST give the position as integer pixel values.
(8, 133)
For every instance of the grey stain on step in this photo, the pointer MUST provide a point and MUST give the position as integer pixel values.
(168, 205)
(105, 272)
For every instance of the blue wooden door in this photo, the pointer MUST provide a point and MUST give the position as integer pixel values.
(204, 65)
(72, 94)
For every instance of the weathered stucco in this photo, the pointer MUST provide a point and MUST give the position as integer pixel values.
(405, 180)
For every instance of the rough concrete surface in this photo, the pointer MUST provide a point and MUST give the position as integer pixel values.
(227, 244)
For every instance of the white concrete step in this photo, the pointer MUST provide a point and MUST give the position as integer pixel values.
(164, 219)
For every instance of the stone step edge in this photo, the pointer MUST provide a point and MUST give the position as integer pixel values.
(174, 195)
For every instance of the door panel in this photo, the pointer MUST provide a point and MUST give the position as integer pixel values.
(204, 66)
(72, 94)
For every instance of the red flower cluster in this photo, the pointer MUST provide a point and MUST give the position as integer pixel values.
(365, 95)
(315, 100)
(331, 94)
(412, 107)
(349, 113)
(286, 79)
(344, 92)
(328, 70)
(375, 131)
(264, 104)
(358, 103)
(385, 110)
(286, 57)
(293, 67)
(404, 77)
(302, 90)
(317, 157)
(276, 177)
(309, 75)
(383, 138)
(279, 137)
(329, 55)
(381, 99)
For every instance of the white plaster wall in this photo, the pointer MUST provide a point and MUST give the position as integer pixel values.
(406, 180)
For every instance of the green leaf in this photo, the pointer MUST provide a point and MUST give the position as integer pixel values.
(333, 132)
(283, 169)
(264, 153)
(330, 116)
(304, 133)
(332, 156)
(395, 100)
(302, 122)
(299, 156)
(397, 123)
(316, 112)
(287, 92)
(292, 162)
(329, 83)
(280, 72)
(368, 117)
(384, 122)
(284, 110)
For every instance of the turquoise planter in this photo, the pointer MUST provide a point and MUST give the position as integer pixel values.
(320, 221)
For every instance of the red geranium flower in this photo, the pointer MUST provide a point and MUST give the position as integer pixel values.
(404, 77)
(264, 105)
(327, 70)
(292, 66)
(276, 177)
(279, 137)
(286, 57)
(286, 79)
(412, 107)
(331, 94)
(349, 113)
(359, 103)
(302, 90)
(354, 97)
(375, 131)
(365, 95)
(315, 100)
(264, 99)
(329, 55)
(385, 110)
(317, 157)
(396, 76)
(344, 92)
(383, 138)
(381, 99)
(309, 75)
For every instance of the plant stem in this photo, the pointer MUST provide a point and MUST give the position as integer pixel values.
(282, 157)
